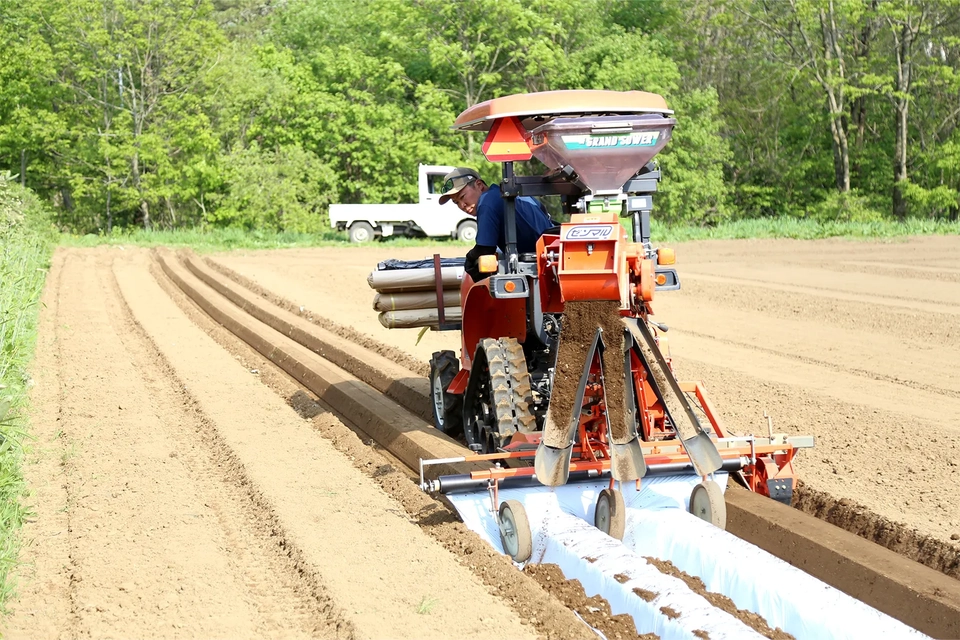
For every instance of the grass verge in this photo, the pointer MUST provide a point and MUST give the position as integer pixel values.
(26, 241)
(805, 229)
(210, 240)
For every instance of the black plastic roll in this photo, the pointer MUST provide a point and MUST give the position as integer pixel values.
(461, 483)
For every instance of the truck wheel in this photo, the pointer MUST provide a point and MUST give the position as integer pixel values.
(467, 231)
(361, 232)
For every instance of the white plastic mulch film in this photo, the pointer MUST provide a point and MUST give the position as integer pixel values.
(658, 526)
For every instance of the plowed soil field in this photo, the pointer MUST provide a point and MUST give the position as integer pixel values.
(184, 487)
(857, 343)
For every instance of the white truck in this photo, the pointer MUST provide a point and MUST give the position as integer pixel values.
(365, 222)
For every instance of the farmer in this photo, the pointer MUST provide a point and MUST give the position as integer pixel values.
(474, 197)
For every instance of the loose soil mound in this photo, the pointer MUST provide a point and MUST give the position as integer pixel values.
(579, 326)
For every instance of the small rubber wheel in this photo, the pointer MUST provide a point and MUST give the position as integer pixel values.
(447, 407)
(611, 514)
(361, 232)
(706, 502)
(515, 531)
(467, 231)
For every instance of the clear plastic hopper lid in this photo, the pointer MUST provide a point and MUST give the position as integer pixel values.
(605, 151)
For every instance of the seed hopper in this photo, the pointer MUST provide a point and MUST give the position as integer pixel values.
(564, 372)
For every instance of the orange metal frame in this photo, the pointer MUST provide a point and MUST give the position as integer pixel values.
(765, 461)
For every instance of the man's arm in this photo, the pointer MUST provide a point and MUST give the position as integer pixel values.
(472, 262)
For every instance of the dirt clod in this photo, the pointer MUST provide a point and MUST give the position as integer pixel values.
(649, 596)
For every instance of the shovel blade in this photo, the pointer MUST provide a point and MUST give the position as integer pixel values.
(703, 454)
(626, 461)
(552, 465)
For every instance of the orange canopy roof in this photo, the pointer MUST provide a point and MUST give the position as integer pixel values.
(534, 109)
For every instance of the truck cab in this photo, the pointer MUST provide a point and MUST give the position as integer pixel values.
(427, 218)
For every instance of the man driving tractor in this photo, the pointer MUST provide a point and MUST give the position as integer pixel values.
(474, 197)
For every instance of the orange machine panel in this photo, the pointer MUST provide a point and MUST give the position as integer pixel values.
(548, 251)
(592, 264)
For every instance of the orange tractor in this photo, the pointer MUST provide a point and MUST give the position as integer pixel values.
(561, 363)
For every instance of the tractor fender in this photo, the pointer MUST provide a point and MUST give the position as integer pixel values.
(487, 317)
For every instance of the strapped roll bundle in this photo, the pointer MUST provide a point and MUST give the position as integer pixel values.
(408, 295)
(412, 318)
(414, 300)
(416, 279)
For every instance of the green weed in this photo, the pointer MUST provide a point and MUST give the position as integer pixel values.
(426, 605)
(26, 241)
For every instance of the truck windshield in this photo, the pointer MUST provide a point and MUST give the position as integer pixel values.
(435, 183)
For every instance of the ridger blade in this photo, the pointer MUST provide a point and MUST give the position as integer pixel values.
(552, 465)
(627, 463)
(552, 461)
(701, 449)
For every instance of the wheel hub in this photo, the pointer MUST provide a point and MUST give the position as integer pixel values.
(438, 408)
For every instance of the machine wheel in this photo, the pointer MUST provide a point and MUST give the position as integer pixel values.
(515, 531)
(447, 407)
(361, 232)
(467, 231)
(611, 514)
(706, 502)
(498, 401)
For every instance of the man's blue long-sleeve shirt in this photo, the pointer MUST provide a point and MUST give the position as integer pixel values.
(532, 221)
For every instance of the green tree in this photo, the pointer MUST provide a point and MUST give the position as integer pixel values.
(287, 189)
(129, 94)
(30, 123)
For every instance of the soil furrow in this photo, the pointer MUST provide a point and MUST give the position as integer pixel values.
(438, 519)
(47, 599)
(233, 504)
(130, 567)
(912, 305)
(284, 592)
(912, 385)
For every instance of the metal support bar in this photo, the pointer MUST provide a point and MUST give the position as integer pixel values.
(508, 191)
(438, 281)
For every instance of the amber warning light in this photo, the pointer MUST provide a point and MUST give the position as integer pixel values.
(488, 263)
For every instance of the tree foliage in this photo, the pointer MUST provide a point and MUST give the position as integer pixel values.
(260, 113)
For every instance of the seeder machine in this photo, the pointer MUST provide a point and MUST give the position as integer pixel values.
(561, 364)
